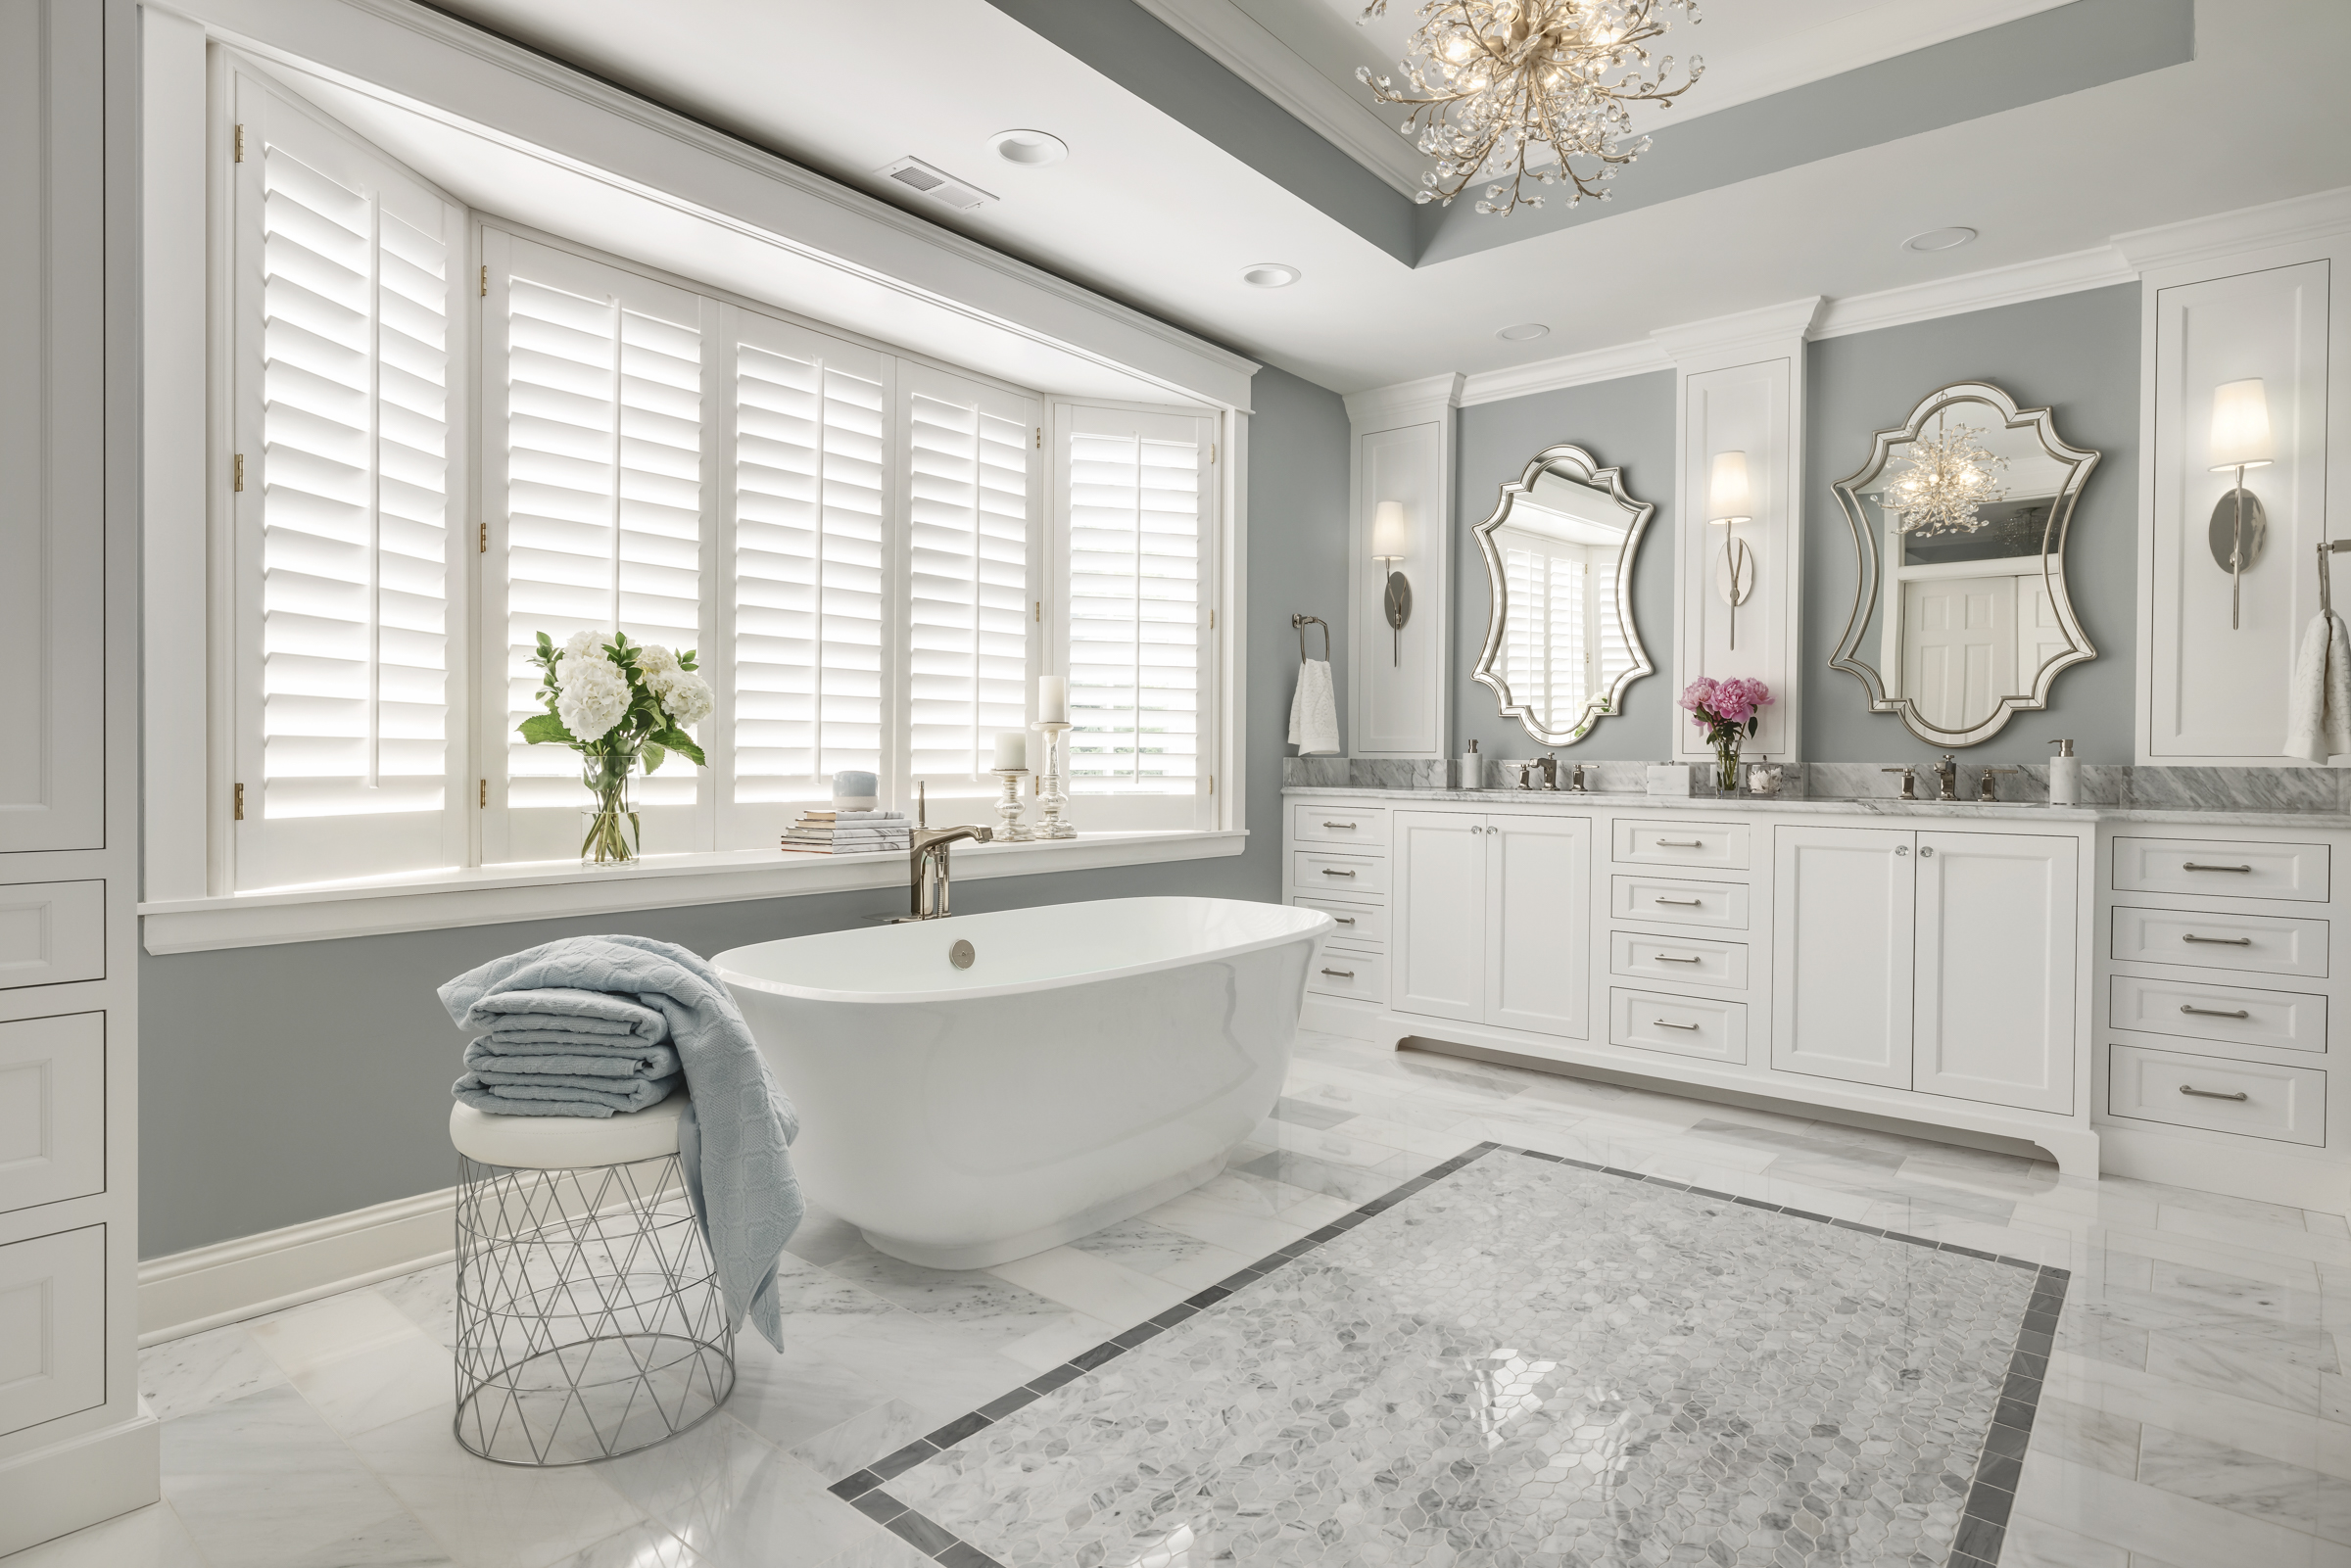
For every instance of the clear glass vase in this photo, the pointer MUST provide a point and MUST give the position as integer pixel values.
(1726, 765)
(611, 816)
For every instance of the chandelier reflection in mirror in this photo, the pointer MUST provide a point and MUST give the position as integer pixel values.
(1947, 479)
(1493, 81)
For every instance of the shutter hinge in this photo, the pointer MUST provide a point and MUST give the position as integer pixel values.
(237, 472)
(240, 158)
(1211, 620)
(485, 794)
(1040, 612)
(240, 803)
(1212, 783)
(485, 541)
(485, 280)
(1212, 451)
(1040, 438)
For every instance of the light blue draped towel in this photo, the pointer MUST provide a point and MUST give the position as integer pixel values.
(633, 1002)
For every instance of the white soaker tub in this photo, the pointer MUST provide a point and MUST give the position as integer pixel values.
(1094, 1060)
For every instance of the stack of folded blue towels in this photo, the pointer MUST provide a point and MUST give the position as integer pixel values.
(563, 1053)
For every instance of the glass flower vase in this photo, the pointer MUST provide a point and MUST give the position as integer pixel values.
(610, 815)
(1726, 765)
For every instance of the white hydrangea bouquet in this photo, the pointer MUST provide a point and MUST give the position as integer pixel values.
(619, 704)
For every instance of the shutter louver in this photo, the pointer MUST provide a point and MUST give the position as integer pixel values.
(1134, 561)
(1616, 649)
(810, 443)
(968, 578)
(604, 495)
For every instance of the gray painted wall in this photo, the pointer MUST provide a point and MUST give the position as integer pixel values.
(2077, 354)
(1626, 424)
(280, 1084)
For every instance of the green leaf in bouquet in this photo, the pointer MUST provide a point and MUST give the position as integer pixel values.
(542, 728)
(654, 757)
(681, 742)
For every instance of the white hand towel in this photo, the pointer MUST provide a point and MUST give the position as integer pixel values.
(1314, 711)
(2319, 704)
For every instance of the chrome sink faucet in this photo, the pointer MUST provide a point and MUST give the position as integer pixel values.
(1549, 762)
(1946, 777)
(927, 858)
(1910, 782)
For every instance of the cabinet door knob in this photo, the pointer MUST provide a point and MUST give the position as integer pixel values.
(2211, 1094)
(1926, 851)
(1901, 849)
(2214, 1012)
(2190, 864)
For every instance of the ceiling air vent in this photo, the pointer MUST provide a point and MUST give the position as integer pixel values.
(936, 183)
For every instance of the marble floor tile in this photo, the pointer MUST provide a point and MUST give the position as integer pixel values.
(848, 1448)
(1089, 1283)
(382, 1383)
(180, 1377)
(490, 1515)
(428, 1299)
(1350, 1184)
(2036, 1544)
(1307, 1114)
(2145, 1519)
(331, 1329)
(974, 1298)
(782, 1503)
(1345, 1145)
(2295, 1241)
(2194, 1466)
(145, 1537)
(2086, 1435)
(639, 1545)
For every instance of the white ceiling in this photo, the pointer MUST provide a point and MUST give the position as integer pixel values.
(1148, 211)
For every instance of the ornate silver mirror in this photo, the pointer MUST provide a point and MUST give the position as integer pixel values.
(1960, 610)
(1560, 644)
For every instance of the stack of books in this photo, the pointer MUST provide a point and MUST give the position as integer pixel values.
(848, 833)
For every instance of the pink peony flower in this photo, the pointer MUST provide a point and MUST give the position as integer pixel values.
(1733, 701)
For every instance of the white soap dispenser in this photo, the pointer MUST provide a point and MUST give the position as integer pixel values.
(1472, 769)
(2065, 775)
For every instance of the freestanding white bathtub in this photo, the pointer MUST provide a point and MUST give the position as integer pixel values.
(1094, 1060)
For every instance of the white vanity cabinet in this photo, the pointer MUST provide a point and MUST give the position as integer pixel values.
(1492, 919)
(1937, 962)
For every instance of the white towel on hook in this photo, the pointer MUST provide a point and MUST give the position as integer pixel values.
(2319, 703)
(1314, 711)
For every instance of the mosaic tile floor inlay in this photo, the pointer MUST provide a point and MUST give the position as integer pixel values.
(1514, 1360)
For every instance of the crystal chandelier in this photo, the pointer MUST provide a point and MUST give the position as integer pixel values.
(1493, 79)
(1947, 480)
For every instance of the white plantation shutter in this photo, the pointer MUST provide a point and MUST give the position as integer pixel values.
(968, 593)
(349, 674)
(1136, 513)
(1615, 654)
(593, 448)
(806, 692)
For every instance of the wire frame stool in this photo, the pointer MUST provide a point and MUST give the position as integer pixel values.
(589, 1320)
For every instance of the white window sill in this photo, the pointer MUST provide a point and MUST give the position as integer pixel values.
(489, 895)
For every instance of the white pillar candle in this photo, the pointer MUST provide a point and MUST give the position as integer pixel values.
(1052, 699)
(1012, 750)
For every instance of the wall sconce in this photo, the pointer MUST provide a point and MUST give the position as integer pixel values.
(1387, 549)
(1730, 502)
(2240, 440)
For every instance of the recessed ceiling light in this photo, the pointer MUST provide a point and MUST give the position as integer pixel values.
(1269, 275)
(1939, 239)
(1034, 148)
(1523, 332)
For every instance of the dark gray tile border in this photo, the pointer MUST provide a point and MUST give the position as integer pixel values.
(1984, 1519)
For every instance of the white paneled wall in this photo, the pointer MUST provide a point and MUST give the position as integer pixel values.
(1398, 683)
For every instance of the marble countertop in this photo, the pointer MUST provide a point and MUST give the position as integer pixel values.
(1869, 806)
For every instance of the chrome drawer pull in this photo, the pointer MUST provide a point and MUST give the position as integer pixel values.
(2212, 1094)
(2214, 1012)
(1327, 872)
(1338, 825)
(2210, 942)
(1668, 1023)
(1675, 958)
(2190, 864)
(1681, 843)
(1344, 919)
(1344, 974)
(1692, 903)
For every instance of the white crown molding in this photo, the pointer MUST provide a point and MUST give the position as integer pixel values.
(1407, 403)
(2297, 219)
(1726, 339)
(1567, 370)
(1242, 45)
(322, 37)
(2044, 279)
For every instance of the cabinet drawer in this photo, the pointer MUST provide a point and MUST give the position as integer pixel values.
(1713, 844)
(2254, 1098)
(52, 1326)
(51, 932)
(52, 1110)
(1678, 903)
(1337, 972)
(2284, 1020)
(1349, 876)
(1686, 958)
(2222, 868)
(1357, 923)
(1680, 1026)
(2258, 944)
(1344, 823)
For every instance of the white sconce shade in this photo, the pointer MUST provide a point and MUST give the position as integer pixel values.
(1728, 497)
(2241, 426)
(1387, 531)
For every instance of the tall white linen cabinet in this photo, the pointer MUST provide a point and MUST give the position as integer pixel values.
(74, 1446)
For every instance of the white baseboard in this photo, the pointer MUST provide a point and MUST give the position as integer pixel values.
(53, 1492)
(189, 1292)
(2236, 1168)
